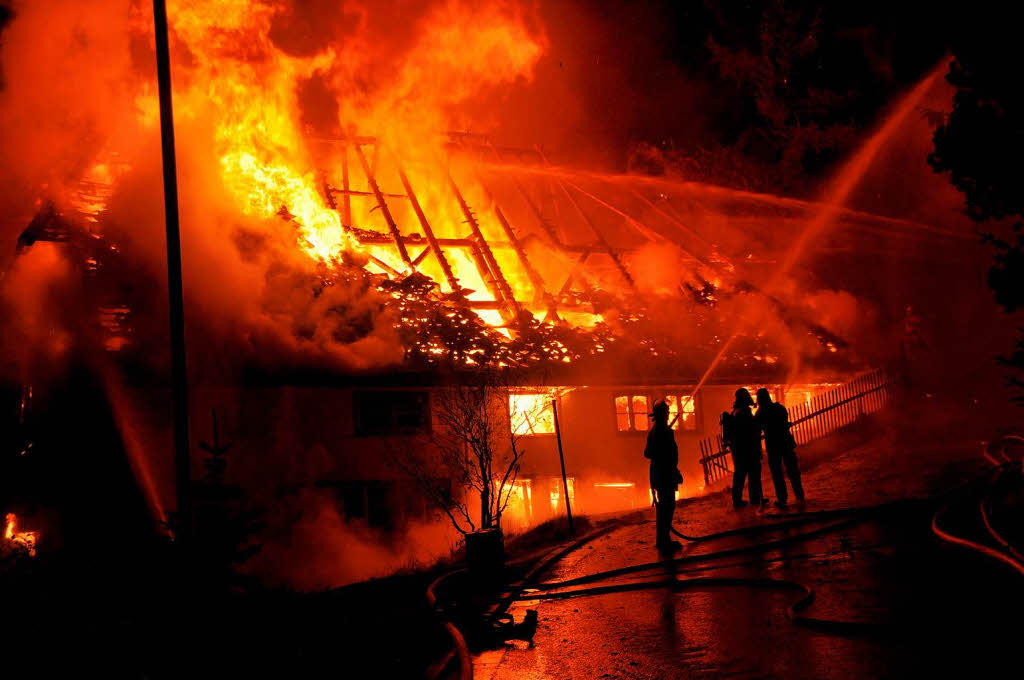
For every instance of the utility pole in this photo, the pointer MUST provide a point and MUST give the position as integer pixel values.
(561, 459)
(179, 369)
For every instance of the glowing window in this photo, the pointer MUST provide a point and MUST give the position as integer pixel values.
(623, 415)
(640, 411)
(556, 492)
(530, 413)
(631, 413)
(519, 509)
(687, 420)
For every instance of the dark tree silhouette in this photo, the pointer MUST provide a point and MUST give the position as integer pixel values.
(981, 145)
(473, 446)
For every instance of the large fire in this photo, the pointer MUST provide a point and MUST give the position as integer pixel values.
(20, 540)
(345, 147)
(246, 87)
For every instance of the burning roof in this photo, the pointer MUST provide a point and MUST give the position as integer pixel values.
(328, 215)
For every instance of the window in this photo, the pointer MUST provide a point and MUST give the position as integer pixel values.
(519, 508)
(631, 413)
(367, 501)
(391, 412)
(530, 413)
(556, 493)
(687, 420)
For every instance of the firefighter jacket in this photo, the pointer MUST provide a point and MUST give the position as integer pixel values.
(664, 455)
(773, 419)
(742, 433)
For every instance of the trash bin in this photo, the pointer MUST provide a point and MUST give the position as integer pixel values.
(485, 552)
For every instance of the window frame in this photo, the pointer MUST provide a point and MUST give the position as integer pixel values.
(531, 433)
(650, 396)
(680, 397)
(630, 397)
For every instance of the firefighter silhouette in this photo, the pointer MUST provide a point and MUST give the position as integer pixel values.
(743, 436)
(663, 453)
(773, 420)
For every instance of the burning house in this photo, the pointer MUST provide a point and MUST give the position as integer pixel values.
(347, 256)
(571, 303)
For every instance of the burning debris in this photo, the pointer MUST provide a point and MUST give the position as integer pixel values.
(352, 225)
(19, 541)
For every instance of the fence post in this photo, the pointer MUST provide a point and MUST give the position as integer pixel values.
(847, 412)
(860, 399)
(840, 397)
(704, 464)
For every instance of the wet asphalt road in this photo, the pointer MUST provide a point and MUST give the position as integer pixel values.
(945, 612)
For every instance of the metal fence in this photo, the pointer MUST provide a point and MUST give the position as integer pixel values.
(824, 413)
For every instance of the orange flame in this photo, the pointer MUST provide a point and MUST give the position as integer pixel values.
(247, 86)
(22, 540)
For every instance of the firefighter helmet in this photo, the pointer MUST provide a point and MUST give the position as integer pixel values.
(743, 398)
(659, 410)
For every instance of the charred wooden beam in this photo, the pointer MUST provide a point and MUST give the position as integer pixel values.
(647, 232)
(498, 306)
(354, 192)
(534, 208)
(376, 238)
(347, 139)
(535, 277)
(422, 256)
(572, 273)
(392, 227)
(483, 144)
(385, 266)
(492, 272)
(428, 231)
(329, 196)
(346, 199)
(605, 245)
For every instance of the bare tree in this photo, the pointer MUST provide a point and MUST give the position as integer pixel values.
(474, 446)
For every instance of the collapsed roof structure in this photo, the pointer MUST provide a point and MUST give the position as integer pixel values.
(520, 242)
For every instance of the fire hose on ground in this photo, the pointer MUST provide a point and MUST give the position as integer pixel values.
(845, 517)
(1005, 553)
(837, 627)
